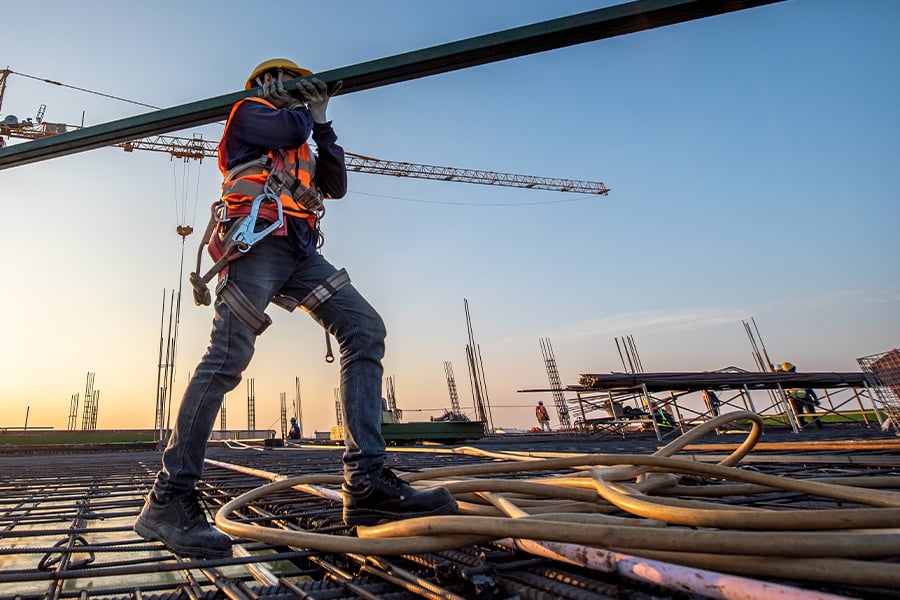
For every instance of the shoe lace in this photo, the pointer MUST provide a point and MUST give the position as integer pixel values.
(390, 478)
(192, 510)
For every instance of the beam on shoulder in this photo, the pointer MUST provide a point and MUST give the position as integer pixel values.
(595, 25)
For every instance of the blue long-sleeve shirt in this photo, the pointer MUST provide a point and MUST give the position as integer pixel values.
(255, 129)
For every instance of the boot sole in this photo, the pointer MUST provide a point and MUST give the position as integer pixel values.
(372, 517)
(150, 534)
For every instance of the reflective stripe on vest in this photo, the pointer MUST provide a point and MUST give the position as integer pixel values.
(243, 183)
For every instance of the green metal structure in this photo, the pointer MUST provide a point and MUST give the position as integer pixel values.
(595, 25)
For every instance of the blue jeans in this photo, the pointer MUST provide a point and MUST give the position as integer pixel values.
(270, 268)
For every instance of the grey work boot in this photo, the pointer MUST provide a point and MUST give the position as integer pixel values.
(387, 497)
(181, 525)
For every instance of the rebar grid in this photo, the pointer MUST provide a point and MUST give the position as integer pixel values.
(65, 532)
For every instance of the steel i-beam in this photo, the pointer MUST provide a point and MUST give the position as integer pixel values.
(520, 41)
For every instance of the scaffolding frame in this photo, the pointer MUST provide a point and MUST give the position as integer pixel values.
(605, 408)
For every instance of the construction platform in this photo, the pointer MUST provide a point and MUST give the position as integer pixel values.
(65, 525)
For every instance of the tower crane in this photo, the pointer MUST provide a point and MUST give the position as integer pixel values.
(197, 148)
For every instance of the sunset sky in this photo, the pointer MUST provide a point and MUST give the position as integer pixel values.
(752, 158)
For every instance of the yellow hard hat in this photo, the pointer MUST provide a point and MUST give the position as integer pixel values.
(271, 64)
(786, 366)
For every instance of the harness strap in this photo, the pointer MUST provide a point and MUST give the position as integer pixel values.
(244, 188)
(279, 176)
(266, 212)
(258, 321)
(231, 295)
(243, 309)
(225, 248)
(318, 296)
(325, 290)
(288, 303)
(201, 291)
(309, 197)
(261, 164)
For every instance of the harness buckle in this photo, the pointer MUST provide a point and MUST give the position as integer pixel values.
(276, 178)
(220, 211)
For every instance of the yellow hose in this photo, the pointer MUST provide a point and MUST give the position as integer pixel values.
(815, 545)
(761, 543)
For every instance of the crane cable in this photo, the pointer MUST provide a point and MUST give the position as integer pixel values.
(821, 544)
(93, 92)
(185, 226)
(81, 89)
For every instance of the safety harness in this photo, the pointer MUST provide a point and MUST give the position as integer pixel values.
(235, 225)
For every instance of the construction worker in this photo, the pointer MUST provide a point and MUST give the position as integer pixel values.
(802, 400)
(294, 431)
(264, 158)
(542, 416)
(664, 420)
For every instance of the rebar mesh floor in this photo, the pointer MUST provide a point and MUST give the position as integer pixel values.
(66, 531)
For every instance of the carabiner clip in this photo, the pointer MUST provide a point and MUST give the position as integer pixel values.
(246, 234)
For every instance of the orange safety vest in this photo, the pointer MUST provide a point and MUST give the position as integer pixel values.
(241, 184)
(541, 413)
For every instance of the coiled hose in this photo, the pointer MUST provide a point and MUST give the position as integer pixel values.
(823, 545)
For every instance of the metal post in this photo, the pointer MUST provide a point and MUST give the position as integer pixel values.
(677, 410)
(788, 409)
(862, 409)
(878, 414)
(284, 431)
(581, 410)
(298, 409)
(649, 403)
(747, 398)
(251, 405)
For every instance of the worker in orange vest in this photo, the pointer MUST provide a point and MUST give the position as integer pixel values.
(271, 205)
(543, 417)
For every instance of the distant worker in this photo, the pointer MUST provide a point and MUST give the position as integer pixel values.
(663, 419)
(542, 416)
(294, 431)
(712, 403)
(631, 413)
(802, 400)
(564, 415)
(265, 232)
